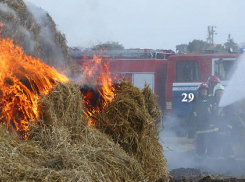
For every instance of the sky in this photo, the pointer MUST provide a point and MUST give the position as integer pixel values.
(153, 24)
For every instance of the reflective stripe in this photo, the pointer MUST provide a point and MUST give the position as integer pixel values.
(229, 126)
(208, 131)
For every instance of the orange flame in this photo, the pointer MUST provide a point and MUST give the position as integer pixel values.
(97, 72)
(1, 25)
(22, 79)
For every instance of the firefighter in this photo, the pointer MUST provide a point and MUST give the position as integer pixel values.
(212, 82)
(202, 115)
(222, 118)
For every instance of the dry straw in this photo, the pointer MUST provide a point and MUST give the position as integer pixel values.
(131, 120)
(61, 147)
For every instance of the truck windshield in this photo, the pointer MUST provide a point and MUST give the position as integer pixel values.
(223, 68)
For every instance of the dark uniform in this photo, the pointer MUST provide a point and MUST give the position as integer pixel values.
(223, 119)
(202, 118)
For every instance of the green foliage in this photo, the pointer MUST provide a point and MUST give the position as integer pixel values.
(196, 46)
(230, 43)
(108, 46)
(220, 48)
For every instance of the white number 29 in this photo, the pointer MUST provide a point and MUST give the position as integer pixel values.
(187, 97)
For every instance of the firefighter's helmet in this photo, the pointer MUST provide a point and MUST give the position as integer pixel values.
(218, 87)
(201, 86)
(213, 79)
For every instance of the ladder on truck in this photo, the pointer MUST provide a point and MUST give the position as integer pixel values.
(129, 54)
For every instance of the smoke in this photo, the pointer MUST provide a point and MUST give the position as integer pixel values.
(28, 37)
(179, 149)
(47, 34)
(235, 88)
(15, 30)
(4, 8)
(34, 30)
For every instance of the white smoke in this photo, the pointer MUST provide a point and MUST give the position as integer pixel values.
(179, 150)
(29, 36)
(46, 33)
(5, 8)
(235, 89)
(24, 34)
(177, 147)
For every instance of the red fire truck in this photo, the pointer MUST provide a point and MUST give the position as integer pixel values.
(174, 78)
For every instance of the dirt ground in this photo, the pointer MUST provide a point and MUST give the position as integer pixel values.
(195, 175)
(183, 167)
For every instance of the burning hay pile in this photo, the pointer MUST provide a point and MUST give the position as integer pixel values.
(131, 120)
(58, 141)
(35, 31)
(61, 146)
(22, 79)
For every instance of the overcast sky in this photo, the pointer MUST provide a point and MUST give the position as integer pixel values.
(156, 24)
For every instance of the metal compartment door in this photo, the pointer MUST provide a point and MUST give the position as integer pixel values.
(139, 80)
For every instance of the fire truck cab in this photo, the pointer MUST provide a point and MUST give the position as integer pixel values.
(186, 72)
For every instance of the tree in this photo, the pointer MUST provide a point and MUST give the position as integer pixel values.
(230, 44)
(196, 46)
(108, 46)
(220, 48)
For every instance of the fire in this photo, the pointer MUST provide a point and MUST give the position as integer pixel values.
(95, 99)
(1, 25)
(22, 79)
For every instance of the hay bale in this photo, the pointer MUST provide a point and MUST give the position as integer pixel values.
(128, 121)
(61, 147)
(74, 150)
(153, 108)
(61, 116)
(19, 160)
(151, 103)
(34, 30)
